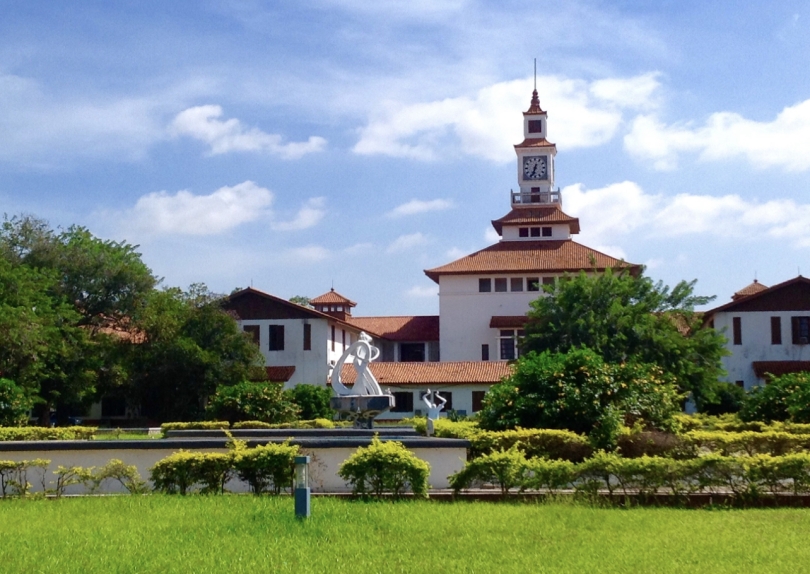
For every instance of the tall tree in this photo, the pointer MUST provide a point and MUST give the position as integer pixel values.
(626, 318)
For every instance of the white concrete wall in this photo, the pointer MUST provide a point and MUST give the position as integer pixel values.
(323, 467)
(558, 232)
(756, 343)
(465, 314)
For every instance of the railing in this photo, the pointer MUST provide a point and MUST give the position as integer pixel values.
(534, 197)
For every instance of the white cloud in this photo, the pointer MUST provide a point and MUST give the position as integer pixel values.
(585, 114)
(224, 136)
(624, 210)
(780, 143)
(407, 242)
(189, 214)
(307, 254)
(416, 206)
(491, 236)
(308, 216)
(455, 253)
(419, 291)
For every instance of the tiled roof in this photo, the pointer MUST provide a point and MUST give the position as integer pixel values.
(418, 328)
(777, 368)
(332, 297)
(751, 289)
(790, 295)
(535, 142)
(537, 216)
(508, 321)
(280, 374)
(440, 373)
(530, 257)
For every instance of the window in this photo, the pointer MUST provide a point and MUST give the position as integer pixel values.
(253, 331)
(412, 352)
(548, 280)
(333, 337)
(740, 384)
(523, 231)
(532, 284)
(776, 330)
(307, 337)
(801, 330)
(500, 285)
(447, 395)
(484, 285)
(535, 126)
(535, 232)
(516, 284)
(276, 338)
(404, 402)
(485, 352)
(343, 339)
(477, 400)
(736, 326)
(546, 232)
(509, 343)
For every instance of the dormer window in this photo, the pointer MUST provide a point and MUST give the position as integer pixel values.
(523, 231)
(535, 126)
(535, 232)
(546, 232)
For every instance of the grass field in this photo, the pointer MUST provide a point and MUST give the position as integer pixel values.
(249, 534)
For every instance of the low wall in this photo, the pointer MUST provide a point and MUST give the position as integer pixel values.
(445, 456)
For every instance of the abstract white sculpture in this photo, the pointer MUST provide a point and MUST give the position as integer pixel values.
(365, 400)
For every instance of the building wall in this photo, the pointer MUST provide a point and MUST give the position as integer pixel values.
(465, 315)
(756, 343)
(558, 232)
(462, 398)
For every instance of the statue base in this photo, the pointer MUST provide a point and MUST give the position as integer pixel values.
(361, 409)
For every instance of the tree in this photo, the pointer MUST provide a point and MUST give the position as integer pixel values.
(579, 391)
(301, 300)
(248, 401)
(15, 402)
(312, 401)
(186, 347)
(786, 397)
(626, 318)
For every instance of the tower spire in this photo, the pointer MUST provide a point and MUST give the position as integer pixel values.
(535, 108)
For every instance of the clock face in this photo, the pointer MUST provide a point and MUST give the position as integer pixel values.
(535, 167)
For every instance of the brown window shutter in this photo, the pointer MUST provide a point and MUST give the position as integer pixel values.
(776, 331)
(736, 324)
(794, 326)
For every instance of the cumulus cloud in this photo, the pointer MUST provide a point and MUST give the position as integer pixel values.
(619, 210)
(307, 254)
(407, 242)
(308, 216)
(779, 143)
(189, 214)
(416, 206)
(584, 114)
(421, 292)
(225, 136)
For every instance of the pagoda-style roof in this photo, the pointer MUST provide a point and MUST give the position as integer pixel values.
(535, 142)
(332, 297)
(546, 215)
(534, 106)
(752, 289)
(554, 256)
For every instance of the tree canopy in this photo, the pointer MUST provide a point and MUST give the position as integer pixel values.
(626, 318)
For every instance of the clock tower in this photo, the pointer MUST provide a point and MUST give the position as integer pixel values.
(535, 160)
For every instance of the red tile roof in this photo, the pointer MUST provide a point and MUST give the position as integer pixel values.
(537, 216)
(790, 295)
(440, 373)
(418, 328)
(508, 321)
(531, 257)
(280, 374)
(535, 142)
(751, 289)
(776, 368)
(332, 297)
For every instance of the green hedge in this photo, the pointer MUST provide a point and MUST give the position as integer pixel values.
(744, 477)
(307, 424)
(385, 467)
(199, 425)
(46, 433)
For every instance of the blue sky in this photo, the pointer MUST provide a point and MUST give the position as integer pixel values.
(297, 145)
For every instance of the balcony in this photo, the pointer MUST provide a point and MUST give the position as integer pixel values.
(537, 197)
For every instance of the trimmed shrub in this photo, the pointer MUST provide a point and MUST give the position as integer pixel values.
(551, 475)
(634, 444)
(779, 399)
(748, 443)
(199, 425)
(247, 401)
(69, 476)
(14, 476)
(47, 433)
(183, 471)
(385, 467)
(267, 468)
(504, 468)
(445, 428)
(125, 474)
(549, 443)
(313, 424)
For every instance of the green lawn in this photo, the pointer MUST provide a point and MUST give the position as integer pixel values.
(227, 534)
